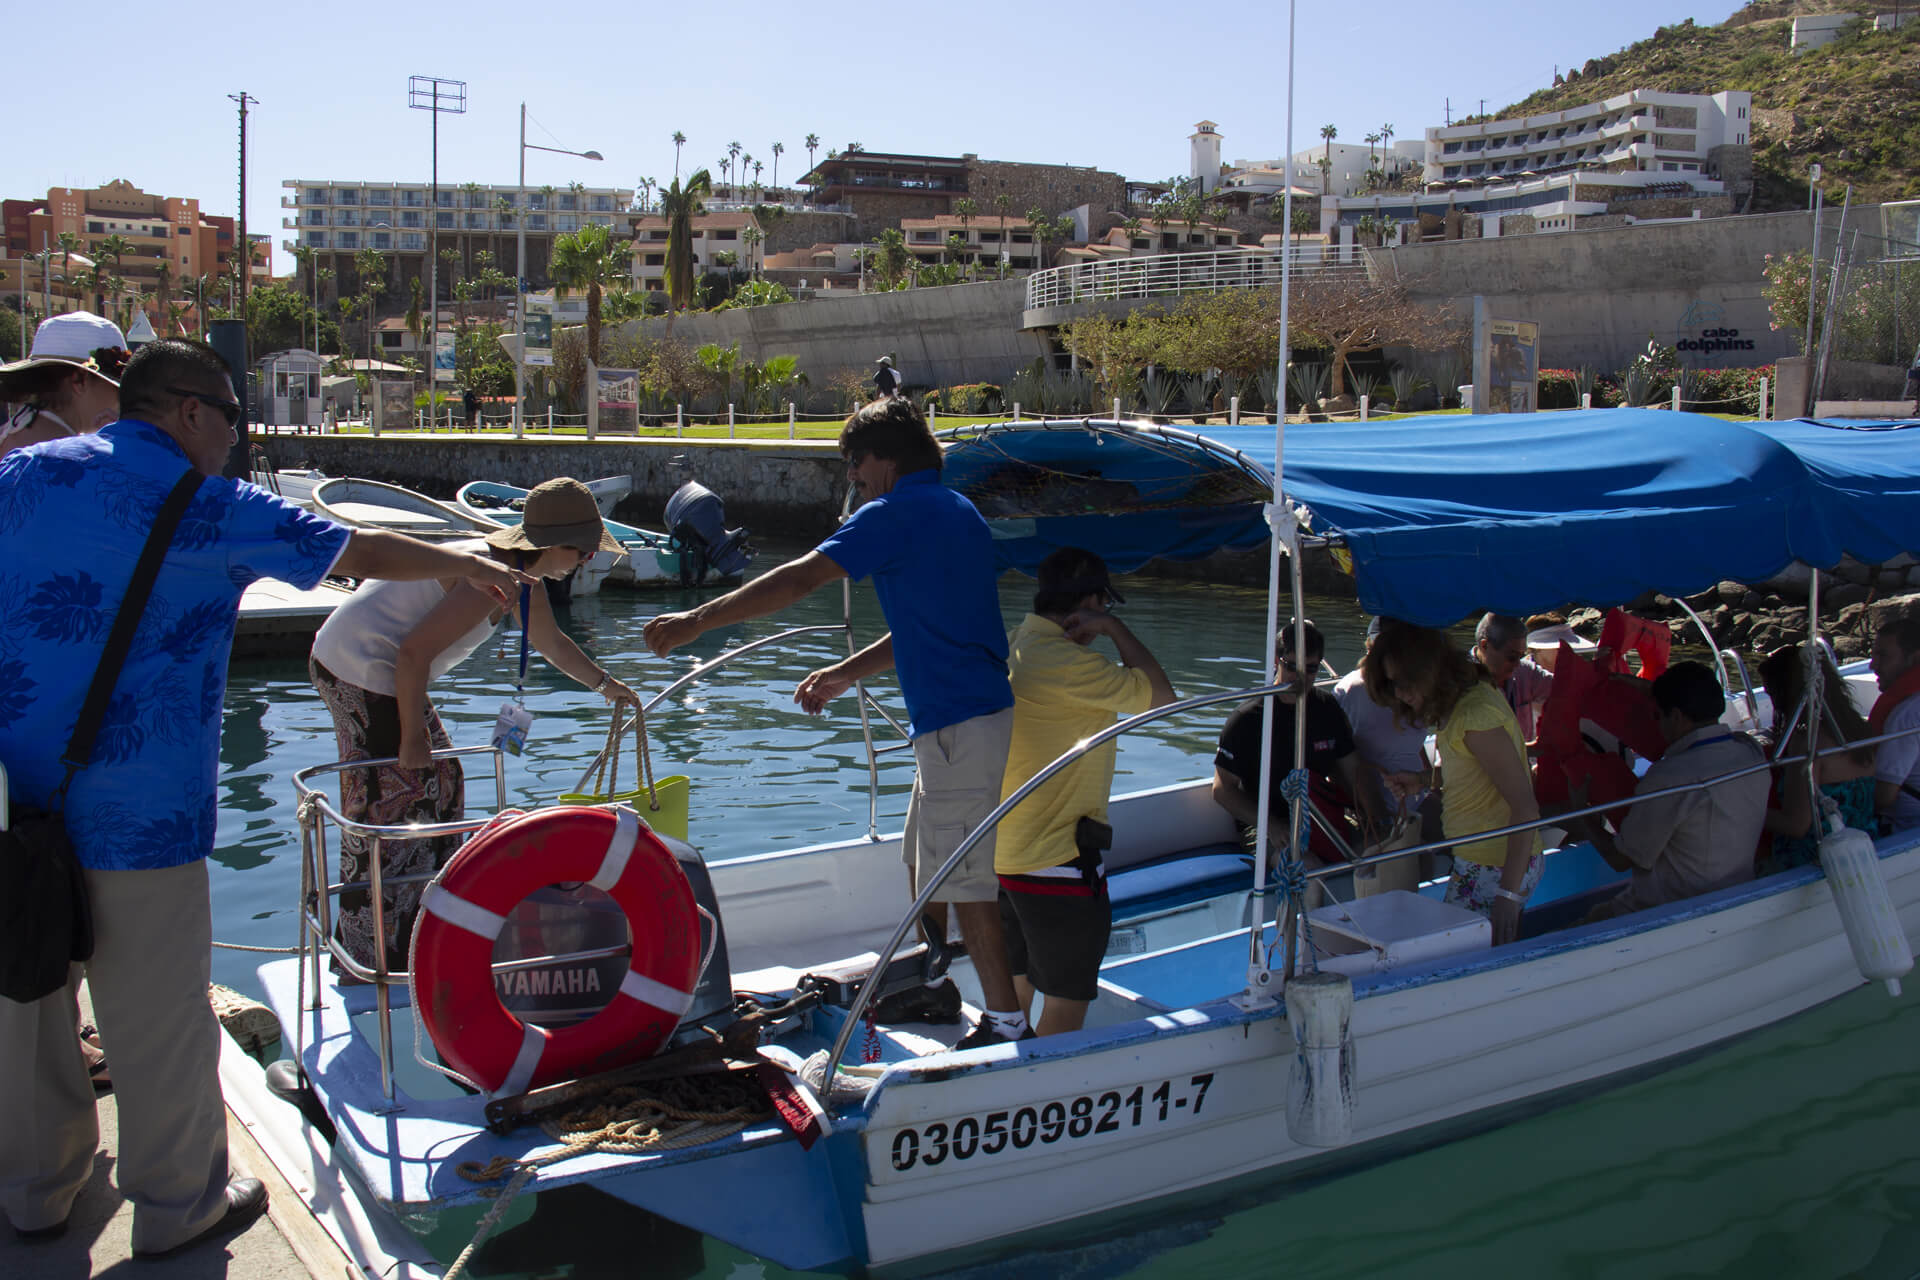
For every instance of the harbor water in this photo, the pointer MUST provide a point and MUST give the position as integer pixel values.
(1793, 1152)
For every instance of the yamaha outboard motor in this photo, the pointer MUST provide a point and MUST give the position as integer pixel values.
(696, 519)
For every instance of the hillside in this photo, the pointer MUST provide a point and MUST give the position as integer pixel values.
(1853, 105)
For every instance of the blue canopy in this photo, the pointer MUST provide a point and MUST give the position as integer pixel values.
(1444, 516)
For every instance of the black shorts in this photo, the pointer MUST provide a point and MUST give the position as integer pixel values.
(1056, 933)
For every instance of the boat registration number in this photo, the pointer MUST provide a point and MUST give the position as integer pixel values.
(1047, 1123)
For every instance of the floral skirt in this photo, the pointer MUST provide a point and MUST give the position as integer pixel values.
(367, 727)
(1473, 883)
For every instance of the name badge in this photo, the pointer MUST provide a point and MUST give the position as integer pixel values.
(511, 728)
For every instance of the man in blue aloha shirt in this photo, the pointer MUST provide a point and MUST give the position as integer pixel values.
(74, 514)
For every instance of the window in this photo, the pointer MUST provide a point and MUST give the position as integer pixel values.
(655, 260)
(1450, 148)
(444, 220)
(1451, 171)
(314, 239)
(733, 234)
(380, 198)
(1476, 144)
(567, 222)
(390, 340)
(316, 195)
(656, 235)
(382, 240)
(536, 222)
(316, 218)
(346, 219)
(411, 219)
(602, 203)
(476, 221)
(349, 240)
(569, 202)
(412, 199)
(443, 199)
(96, 228)
(347, 195)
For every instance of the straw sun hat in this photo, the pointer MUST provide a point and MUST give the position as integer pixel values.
(557, 513)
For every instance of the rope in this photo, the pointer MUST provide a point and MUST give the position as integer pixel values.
(625, 1121)
(1291, 873)
(265, 951)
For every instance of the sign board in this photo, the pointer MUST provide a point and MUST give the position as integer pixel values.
(393, 405)
(539, 327)
(1513, 366)
(618, 397)
(443, 358)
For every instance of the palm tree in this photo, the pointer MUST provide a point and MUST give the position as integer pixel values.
(966, 210)
(588, 259)
(752, 237)
(733, 154)
(855, 148)
(679, 205)
(679, 141)
(371, 266)
(646, 193)
(416, 315)
(176, 311)
(778, 151)
(1371, 139)
(757, 166)
(1386, 137)
(1328, 132)
(812, 145)
(1001, 204)
(69, 242)
(163, 287)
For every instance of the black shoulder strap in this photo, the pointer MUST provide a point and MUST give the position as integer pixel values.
(126, 621)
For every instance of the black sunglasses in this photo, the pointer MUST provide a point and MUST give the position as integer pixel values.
(229, 409)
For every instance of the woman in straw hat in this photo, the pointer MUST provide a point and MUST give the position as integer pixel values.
(372, 662)
(68, 386)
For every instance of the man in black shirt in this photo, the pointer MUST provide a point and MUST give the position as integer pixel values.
(1330, 750)
(886, 379)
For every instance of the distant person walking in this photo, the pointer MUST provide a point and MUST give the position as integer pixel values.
(470, 405)
(1913, 382)
(886, 379)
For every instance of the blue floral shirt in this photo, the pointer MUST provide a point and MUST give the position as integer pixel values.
(74, 514)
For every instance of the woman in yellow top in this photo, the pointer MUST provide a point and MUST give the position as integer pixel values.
(1419, 673)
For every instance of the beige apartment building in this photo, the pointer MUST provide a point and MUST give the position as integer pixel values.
(713, 233)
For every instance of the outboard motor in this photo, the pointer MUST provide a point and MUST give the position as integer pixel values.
(696, 519)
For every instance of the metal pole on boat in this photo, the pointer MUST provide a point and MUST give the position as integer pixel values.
(1813, 264)
(1259, 977)
(383, 998)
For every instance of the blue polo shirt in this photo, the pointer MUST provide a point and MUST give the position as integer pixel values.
(931, 560)
(74, 514)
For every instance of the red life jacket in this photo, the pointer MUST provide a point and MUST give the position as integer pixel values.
(1604, 692)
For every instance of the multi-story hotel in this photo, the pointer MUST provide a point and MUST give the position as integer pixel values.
(168, 242)
(713, 233)
(337, 219)
(1643, 131)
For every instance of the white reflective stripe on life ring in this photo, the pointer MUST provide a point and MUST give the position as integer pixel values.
(658, 995)
(532, 1044)
(613, 864)
(457, 911)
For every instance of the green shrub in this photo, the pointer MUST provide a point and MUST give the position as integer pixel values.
(972, 399)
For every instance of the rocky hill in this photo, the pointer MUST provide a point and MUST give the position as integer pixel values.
(1853, 105)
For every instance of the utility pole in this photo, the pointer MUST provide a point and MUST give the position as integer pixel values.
(245, 245)
(437, 95)
(1449, 113)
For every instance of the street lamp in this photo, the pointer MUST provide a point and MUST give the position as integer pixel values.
(520, 270)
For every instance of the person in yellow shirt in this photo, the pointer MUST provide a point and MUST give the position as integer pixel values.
(1421, 675)
(1053, 893)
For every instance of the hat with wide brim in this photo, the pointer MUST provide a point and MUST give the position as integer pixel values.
(1554, 637)
(557, 513)
(66, 342)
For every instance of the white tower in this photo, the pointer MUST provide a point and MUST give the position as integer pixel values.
(1206, 155)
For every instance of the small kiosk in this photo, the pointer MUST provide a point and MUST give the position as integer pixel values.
(290, 388)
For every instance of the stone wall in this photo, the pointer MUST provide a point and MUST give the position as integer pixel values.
(1055, 188)
(804, 230)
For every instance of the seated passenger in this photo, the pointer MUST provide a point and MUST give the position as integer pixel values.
(1386, 747)
(1546, 632)
(1483, 765)
(1846, 779)
(1896, 660)
(1500, 647)
(1053, 891)
(1696, 841)
(1330, 750)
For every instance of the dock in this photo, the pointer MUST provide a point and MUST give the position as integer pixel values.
(278, 620)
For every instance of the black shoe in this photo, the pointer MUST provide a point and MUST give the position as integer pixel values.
(985, 1033)
(40, 1235)
(246, 1201)
(920, 1004)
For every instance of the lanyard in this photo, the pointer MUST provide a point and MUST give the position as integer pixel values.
(1706, 742)
(526, 596)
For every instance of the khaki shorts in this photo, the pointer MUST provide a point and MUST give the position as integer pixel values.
(956, 784)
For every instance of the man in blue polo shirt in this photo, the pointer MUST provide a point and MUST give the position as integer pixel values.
(930, 556)
(74, 515)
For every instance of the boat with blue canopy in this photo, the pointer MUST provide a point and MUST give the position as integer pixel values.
(901, 1149)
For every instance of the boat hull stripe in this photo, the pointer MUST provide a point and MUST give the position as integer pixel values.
(462, 914)
(638, 986)
(532, 1045)
(619, 849)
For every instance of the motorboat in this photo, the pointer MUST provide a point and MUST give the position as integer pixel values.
(295, 484)
(1210, 1053)
(608, 490)
(649, 558)
(374, 504)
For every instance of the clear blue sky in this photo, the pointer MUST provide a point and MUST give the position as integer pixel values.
(1117, 86)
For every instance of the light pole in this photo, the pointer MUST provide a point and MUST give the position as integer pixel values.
(520, 268)
(1813, 259)
(432, 93)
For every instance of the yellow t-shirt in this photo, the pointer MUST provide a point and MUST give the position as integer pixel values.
(1062, 693)
(1469, 800)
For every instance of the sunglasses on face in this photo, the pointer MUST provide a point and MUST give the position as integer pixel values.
(228, 409)
(857, 457)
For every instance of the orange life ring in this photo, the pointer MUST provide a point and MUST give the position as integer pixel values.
(465, 907)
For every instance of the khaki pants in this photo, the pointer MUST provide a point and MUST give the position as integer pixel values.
(956, 784)
(148, 978)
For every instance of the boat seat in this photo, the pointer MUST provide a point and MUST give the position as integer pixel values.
(1178, 878)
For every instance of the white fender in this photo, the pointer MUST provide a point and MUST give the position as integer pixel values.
(1880, 947)
(1320, 1085)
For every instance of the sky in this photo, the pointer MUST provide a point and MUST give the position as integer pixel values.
(1118, 86)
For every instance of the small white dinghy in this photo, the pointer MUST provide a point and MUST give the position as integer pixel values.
(372, 504)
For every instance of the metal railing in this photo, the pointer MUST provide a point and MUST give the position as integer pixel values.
(1176, 273)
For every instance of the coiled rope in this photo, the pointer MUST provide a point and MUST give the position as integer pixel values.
(665, 1115)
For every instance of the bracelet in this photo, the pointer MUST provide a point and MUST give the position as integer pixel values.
(1501, 891)
(606, 678)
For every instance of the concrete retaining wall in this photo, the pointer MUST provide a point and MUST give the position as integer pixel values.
(939, 337)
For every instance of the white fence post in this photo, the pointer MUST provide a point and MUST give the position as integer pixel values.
(1233, 412)
(1366, 405)
(1676, 397)
(790, 417)
(1586, 399)
(549, 419)
(1763, 399)
(729, 420)
(679, 420)
(933, 424)
(1016, 411)
(1116, 416)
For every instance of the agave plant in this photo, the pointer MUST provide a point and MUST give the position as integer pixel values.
(1308, 382)
(1406, 383)
(1636, 383)
(1364, 385)
(1159, 390)
(1693, 387)
(1586, 382)
(1265, 384)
